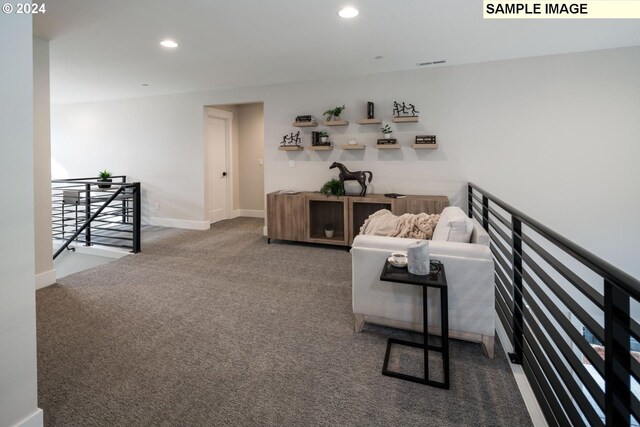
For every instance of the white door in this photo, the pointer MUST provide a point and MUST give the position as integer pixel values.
(217, 165)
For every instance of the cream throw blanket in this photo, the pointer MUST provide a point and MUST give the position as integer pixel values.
(413, 226)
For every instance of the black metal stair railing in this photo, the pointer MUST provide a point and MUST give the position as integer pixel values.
(568, 316)
(86, 211)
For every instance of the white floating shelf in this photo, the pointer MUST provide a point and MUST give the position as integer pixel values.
(352, 147)
(369, 121)
(432, 146)
(387, 146)
(292, 148)
(320, 147)
(405, 119)
(336, 123)
(311, 124)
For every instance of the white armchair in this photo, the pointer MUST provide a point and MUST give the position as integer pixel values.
(470, 279)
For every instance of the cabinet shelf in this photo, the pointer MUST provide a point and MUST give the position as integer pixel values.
(320, 147)
(336, 123)
(310, 124)
(352, 147)
(420, 146)
(405, 119)
(292, 148)
(387, 146)
(369, 121)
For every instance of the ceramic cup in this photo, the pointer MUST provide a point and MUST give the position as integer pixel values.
(399, 257)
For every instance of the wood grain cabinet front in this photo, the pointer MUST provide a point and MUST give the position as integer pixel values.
(303, 216)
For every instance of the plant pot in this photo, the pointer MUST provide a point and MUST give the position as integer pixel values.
(328, 233)
(336, 119)
(324, 139)
(104, 185)
(387, 136)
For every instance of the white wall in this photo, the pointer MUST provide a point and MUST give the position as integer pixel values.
(250, 151)
(555, 136)
(42, 163)
(18, 385)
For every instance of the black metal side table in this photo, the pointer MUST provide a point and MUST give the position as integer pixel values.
(435, 279)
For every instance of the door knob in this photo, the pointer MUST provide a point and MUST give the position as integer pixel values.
(224, 174)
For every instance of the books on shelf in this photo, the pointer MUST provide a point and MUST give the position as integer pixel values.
(395, 196)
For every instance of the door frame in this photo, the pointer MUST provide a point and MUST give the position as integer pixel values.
(227, 116)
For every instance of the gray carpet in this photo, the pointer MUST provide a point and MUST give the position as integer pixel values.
(212, 328)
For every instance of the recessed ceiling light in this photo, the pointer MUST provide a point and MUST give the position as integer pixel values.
(348, 12)
(168, 43)
(145, 84)
(379, 57)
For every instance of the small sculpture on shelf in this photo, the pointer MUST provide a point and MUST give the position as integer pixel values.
(347, 175)
(292, 140)
(403, 110)
(370, 110)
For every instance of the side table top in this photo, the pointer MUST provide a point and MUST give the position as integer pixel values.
(435, 279)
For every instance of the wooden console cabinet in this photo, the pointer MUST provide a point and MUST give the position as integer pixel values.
(301, 217)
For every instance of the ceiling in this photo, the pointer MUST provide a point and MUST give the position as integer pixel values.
(108, 49)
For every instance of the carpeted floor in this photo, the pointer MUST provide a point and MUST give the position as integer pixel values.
(212, 328)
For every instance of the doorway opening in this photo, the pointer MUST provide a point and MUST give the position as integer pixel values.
(234, 159)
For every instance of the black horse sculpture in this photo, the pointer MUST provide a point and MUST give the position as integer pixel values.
(346, 175)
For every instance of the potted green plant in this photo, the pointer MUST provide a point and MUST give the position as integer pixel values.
(323, 137)
(105, 176)
(328, 230)
(386, 130)
(333, 187)
(334, 113)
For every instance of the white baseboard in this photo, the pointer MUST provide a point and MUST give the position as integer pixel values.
(178, 223)
(265, 231)
(248, 213)
(45, 279)
(34, 420)
(530, 401)
(97, 250)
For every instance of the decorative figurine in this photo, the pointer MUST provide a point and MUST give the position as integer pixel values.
(369, 110)
(291, 140)
(404, 110)
(346, 175)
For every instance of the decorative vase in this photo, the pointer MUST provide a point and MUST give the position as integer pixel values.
(323, 139)
(336, 119)
(353, 142)
(328, 233)
(104, 185)
(387, 136)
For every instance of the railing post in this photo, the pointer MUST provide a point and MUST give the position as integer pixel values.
(518, 309)
(470, 200)
(485, 212)
(87, 215)
(617, 359)
(137, 217)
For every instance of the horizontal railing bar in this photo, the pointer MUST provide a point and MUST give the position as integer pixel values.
(501, 232)
(477, 217)
(565, 376)
(504, 293)
(500, 218)
(575, 280)
(64, 180)
(565, 324)
(101, 236)
(565, 298)
(503, 263)
(500, 245)
(506, 324)
(504, 304)
(608, 271)
(540, 395)
(113, 245)
(479, 199)
(585, 377)
(543, 371)
(478, 209)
